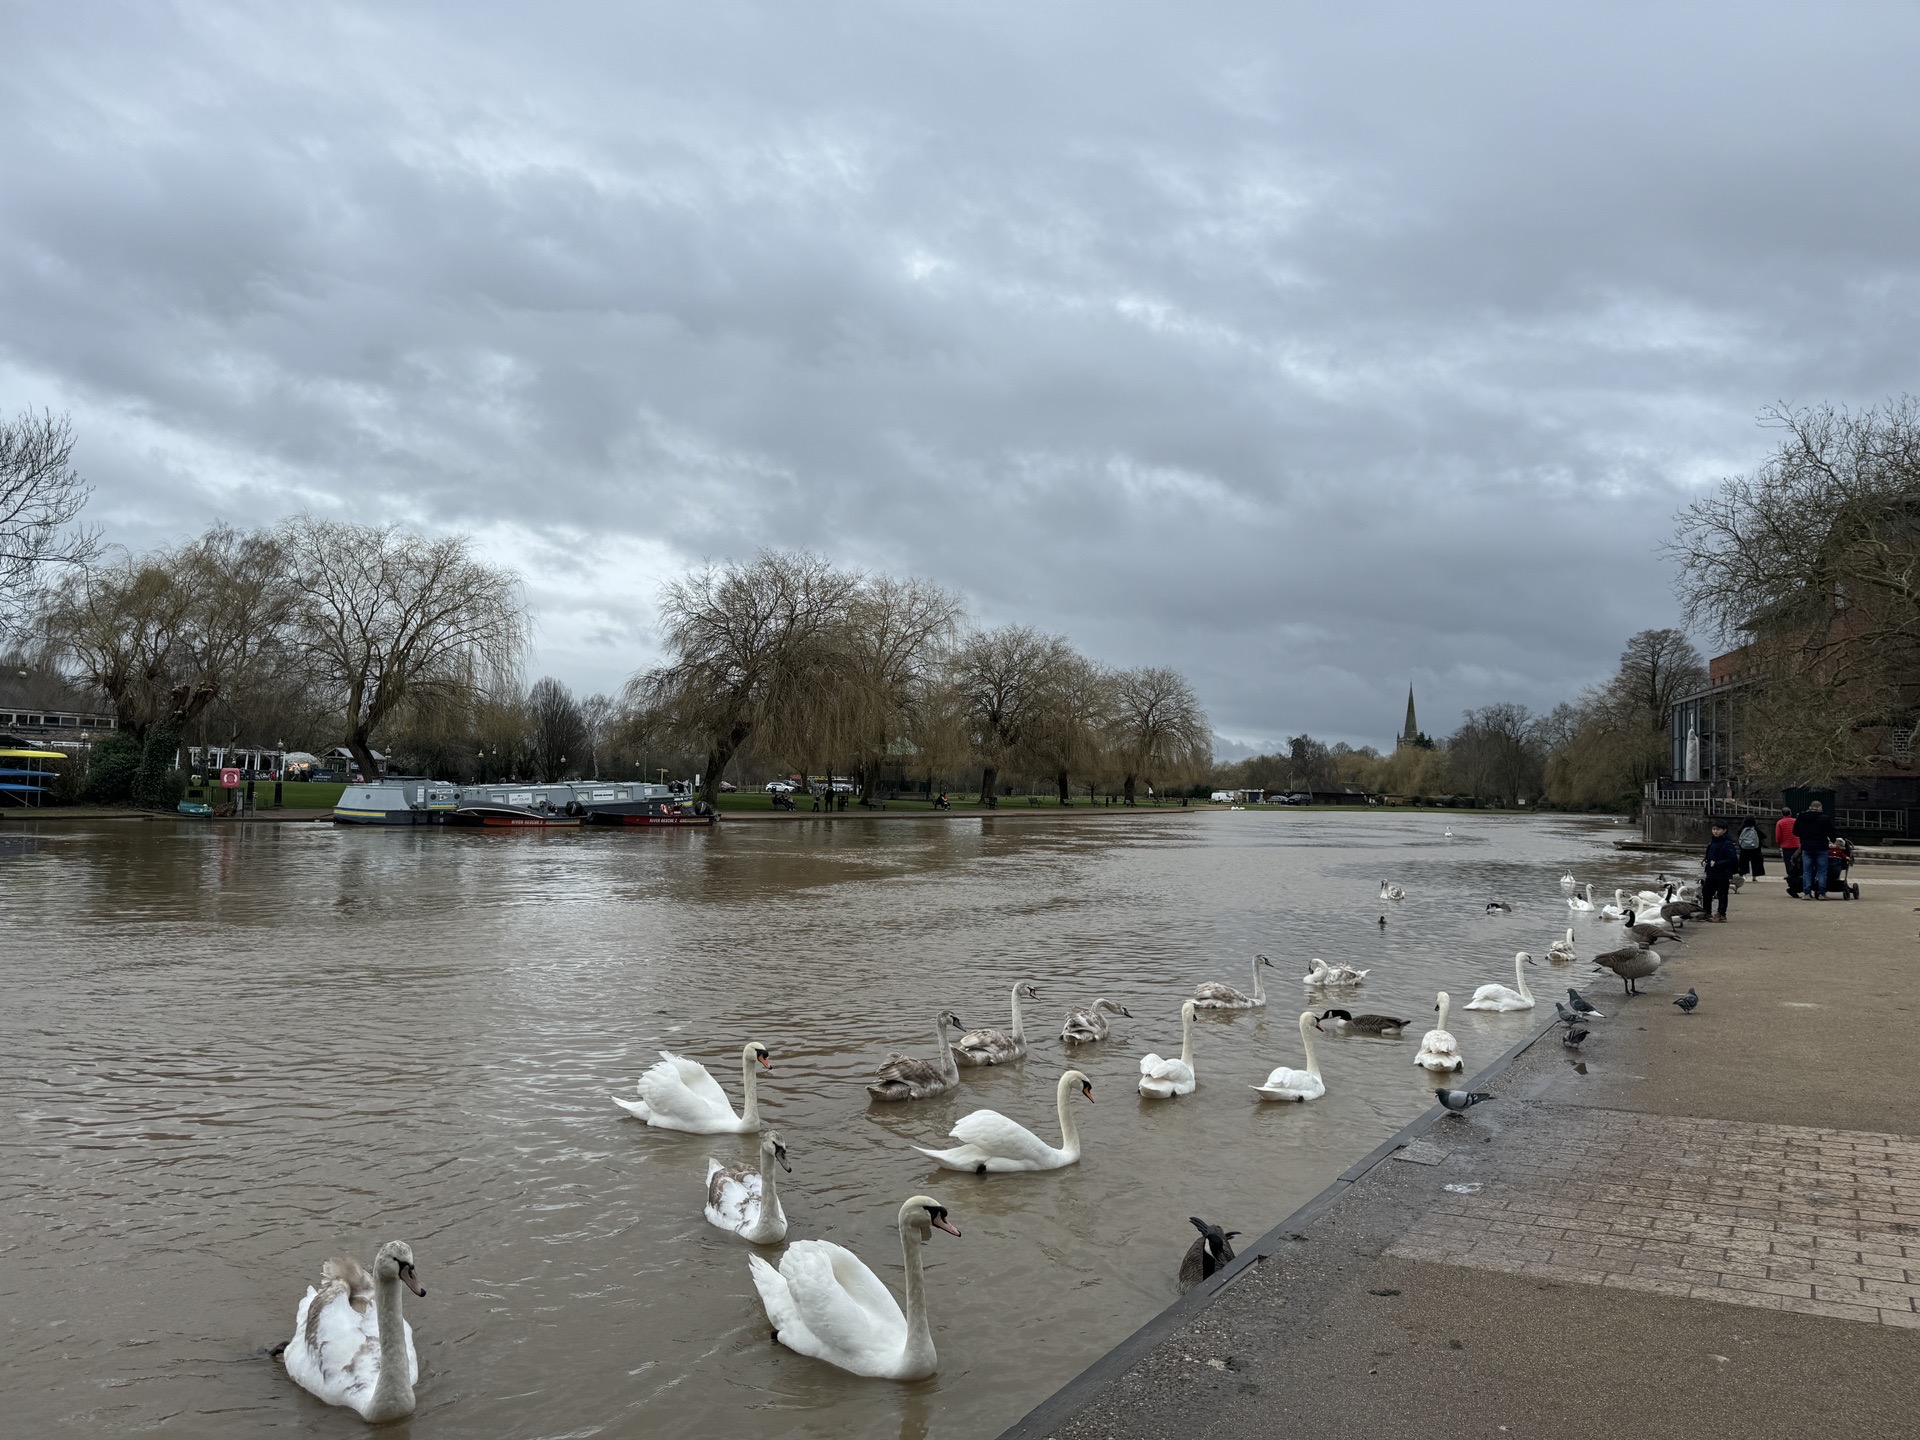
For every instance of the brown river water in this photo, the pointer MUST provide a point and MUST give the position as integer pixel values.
(228, 1052)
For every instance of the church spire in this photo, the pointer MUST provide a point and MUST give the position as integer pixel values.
(1412, 732)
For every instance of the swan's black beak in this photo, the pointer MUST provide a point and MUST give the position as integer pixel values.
(407, 1279)
(780, 1154)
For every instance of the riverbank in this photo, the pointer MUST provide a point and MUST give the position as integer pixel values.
(1701, 1224)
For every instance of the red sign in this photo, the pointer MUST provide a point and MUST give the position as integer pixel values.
(229, 779)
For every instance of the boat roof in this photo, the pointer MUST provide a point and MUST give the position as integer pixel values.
(33, 755)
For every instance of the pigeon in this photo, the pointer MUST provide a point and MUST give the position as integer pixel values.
(1461, 1100)
(1572, 1036)
(1579, 1004)
(1687, 1001)
(1567, 1017)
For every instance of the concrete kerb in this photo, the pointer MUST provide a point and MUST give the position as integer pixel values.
(1069, 1398)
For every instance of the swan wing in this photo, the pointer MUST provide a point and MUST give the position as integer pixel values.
(698, 1080)
(733, 1195)
(1154, 1067)
(674, 1104)
(1216, 993)
(842, 1305)
(335, 1353)
(993, 1134)
(1441, 1042)
(1493, 997)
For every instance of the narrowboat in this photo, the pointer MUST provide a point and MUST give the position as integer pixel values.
(516, 807)
(397, 800)
(634, 803)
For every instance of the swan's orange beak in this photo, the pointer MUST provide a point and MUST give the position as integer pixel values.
(765, 1063)
(1086, 1089)
(941, 1222)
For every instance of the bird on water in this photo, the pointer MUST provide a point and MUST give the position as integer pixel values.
(1207, 1255)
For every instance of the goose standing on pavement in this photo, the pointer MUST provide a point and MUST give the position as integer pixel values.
(1632, 963)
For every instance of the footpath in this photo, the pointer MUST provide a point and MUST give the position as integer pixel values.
(1700, 1225)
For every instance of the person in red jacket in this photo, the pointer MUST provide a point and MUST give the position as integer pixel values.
(1789, 844)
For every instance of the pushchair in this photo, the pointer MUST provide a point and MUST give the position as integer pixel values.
(1839, 862)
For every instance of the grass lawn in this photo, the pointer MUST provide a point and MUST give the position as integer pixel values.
(294, 794)
(747, 801)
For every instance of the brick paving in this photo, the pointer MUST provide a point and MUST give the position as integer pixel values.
(1782, 1217)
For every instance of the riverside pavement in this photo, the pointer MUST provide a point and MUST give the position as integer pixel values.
(1701, 1225)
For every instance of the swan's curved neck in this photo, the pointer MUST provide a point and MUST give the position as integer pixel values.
(1258, 993)
(949, 1067)
(749, 1088)
(917, 1354)
(769, 1197)
(1441, 1023)
(393, 1391)
(1016, 1032)
(1069, 1132)
(1186, 1037)
(1306, 1039)
(1520, 977)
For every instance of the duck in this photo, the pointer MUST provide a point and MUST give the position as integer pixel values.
(906, 1077)
(1164, 1079)
(990, 1143)
(1319, 972)
(997, 1047)
(1394, 892)
(1084, 1027)
(1297, 1085)
(1207, 1255)
(1561, 951)
(1581, 904)
(742, 1199)
(679, 1094)
(1632, 962)
(1363, 1024)
(824, 1302)
(1499, 997)
(1213, 995)
(1499, 907)
(1438, 1049)
(351, 1346)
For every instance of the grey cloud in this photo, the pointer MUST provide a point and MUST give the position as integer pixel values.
(1310, 354)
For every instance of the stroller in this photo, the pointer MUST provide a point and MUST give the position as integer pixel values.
(1839, 862)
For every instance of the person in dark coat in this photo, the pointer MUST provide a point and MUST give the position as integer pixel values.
(1815, 833)
(1752, 857)
(1722, 859)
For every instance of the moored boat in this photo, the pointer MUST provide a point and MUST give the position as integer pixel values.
(397, 800)
(516, 807)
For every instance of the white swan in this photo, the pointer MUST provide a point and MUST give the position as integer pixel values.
(1394, 892)
(997, 1047)
(1321, 973)
(679, 1094)
(823, 1301)
(1499, 997)
(1568, 883)
(1438, 1049)
(1561, 951)
(745, 1201)
(991, 1142)
(1580, 904)
(1289, 1084)
(1164, 1079)
(1212, 995)
(1616, 909)
(351, 1346)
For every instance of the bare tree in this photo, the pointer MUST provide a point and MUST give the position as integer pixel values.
(41, 494)
(748, 645)
(597, 718)
(893, 639)
(559, 738)
(1001, 681)
(1814, 561)
(1071, 733)
(390, 618)
(1496, 753)
(1160, 730)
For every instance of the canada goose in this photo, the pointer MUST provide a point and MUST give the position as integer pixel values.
(1365, 1024)
(1206, 1255)
(1647, 932)
(1631, 963)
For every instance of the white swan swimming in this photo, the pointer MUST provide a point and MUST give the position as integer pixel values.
(1580, 904)
(1089, 1024)
(1568, 883)
(351, 1346)
(1163, 1079)
(1289, 1084)
(1213, 995)
(823, 1301)
(1394, 892)
(997, 1047)
(1438, 1049)
(1561, 951)
(679, 1094)
(1499, 997)
(991, 1143)
(744, 1200)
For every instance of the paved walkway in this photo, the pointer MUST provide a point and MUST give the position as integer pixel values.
(1705, 1225)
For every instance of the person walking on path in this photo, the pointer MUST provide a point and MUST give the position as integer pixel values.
(1753, 860)
(1722, 859)
(1789, 844)
(1815, 832)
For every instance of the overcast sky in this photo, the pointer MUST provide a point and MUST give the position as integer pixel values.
(1309, 349)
